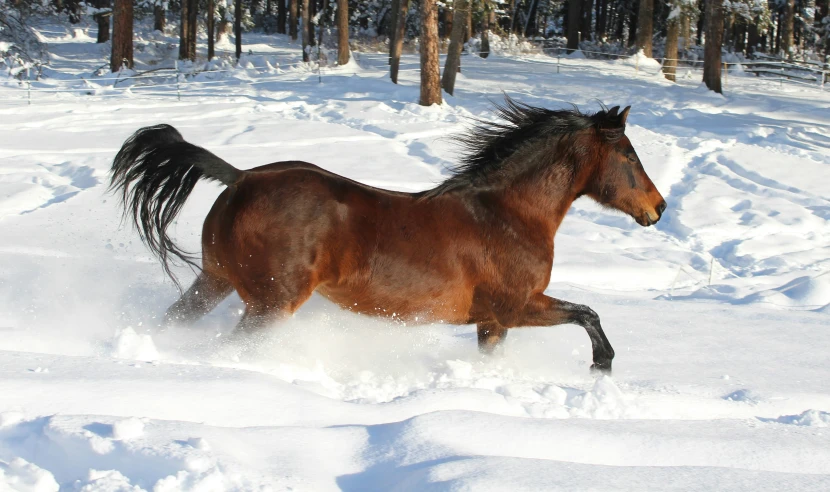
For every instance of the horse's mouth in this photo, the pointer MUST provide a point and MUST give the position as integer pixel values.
(647, 219)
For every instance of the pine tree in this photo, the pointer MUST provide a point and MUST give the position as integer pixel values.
(714, 41)
(237, 27)
(122, 35)
(342, 32)
(459, 30)
(397, 47)
(645, 26)
(430, 68)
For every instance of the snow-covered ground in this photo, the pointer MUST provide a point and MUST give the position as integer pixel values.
(719, 314)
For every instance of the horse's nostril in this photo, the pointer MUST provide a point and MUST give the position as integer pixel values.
(661, 207)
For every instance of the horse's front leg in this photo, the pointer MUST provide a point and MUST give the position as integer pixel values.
(542, 310)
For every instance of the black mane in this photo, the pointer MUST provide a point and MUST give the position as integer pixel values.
(488, 144)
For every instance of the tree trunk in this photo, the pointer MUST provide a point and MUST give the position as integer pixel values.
(714, 41)
(447, 24)
(400, 32)
(396, 7)
(103, 21)
(787, 29)
(211, 8)
(237, 27)
(281, 12)
(587, 17)
(320, 22)
(574, 16)
(342, 32)
(740, 36)
(602, 19)
(184, 31)
(469, 34)
(701, 23)
(293, 8)
(304, 25)
(159, 19)
(192, 24)
(489, 19)
(122, 35)
(430, 68)
(645, 26)
(754, 39)
(459, 29)
(670, 58)
(633, 26)
(684, 37)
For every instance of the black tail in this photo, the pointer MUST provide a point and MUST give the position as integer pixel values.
(155, 171)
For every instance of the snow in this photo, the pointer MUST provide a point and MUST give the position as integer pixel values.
(718, 384)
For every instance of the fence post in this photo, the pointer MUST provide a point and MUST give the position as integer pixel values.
(178, 90)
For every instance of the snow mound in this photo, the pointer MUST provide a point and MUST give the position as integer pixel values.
(808, 418)
(127, 429)
(641, 61)
(128, 344)
(21, 476)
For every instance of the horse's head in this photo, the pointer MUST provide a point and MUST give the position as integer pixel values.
(618, 179)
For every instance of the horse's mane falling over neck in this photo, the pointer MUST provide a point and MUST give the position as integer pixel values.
(489, 145)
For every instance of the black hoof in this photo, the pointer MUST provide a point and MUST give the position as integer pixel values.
(601, 367)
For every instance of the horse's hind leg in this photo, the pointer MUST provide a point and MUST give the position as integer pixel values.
(206, 292)
(272, 299)
(490, 335)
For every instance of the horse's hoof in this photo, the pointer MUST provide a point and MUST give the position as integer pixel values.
(602, 368)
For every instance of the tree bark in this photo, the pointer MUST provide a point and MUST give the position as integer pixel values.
(122, 35)
(237, 27)
(304, 25)
(574, 17)
(633, 25)
(184, 31)
(293, 8)
(670, 58)
(645, 26)
(430, 68)
(459, 29)
(396, 7)
(400, 32)
(281, 14)
(685, 32)
(754, 39)
(159, 19)
(342, 32)
(489, 19)
(211, 8)
(469, 34)
(192, 24)
(447, 24)
(712, 49)
(587, 14)
(103, 21)
(787, 29)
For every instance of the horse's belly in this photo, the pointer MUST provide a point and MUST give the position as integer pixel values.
(449, 305)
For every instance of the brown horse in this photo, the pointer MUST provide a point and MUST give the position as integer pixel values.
(476, 249)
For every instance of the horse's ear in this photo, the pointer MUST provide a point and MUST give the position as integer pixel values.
(612, 113)
(624, 115)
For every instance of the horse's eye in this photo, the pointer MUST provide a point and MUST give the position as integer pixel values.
(632, 158)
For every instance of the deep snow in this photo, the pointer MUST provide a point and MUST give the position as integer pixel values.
(717, 385)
